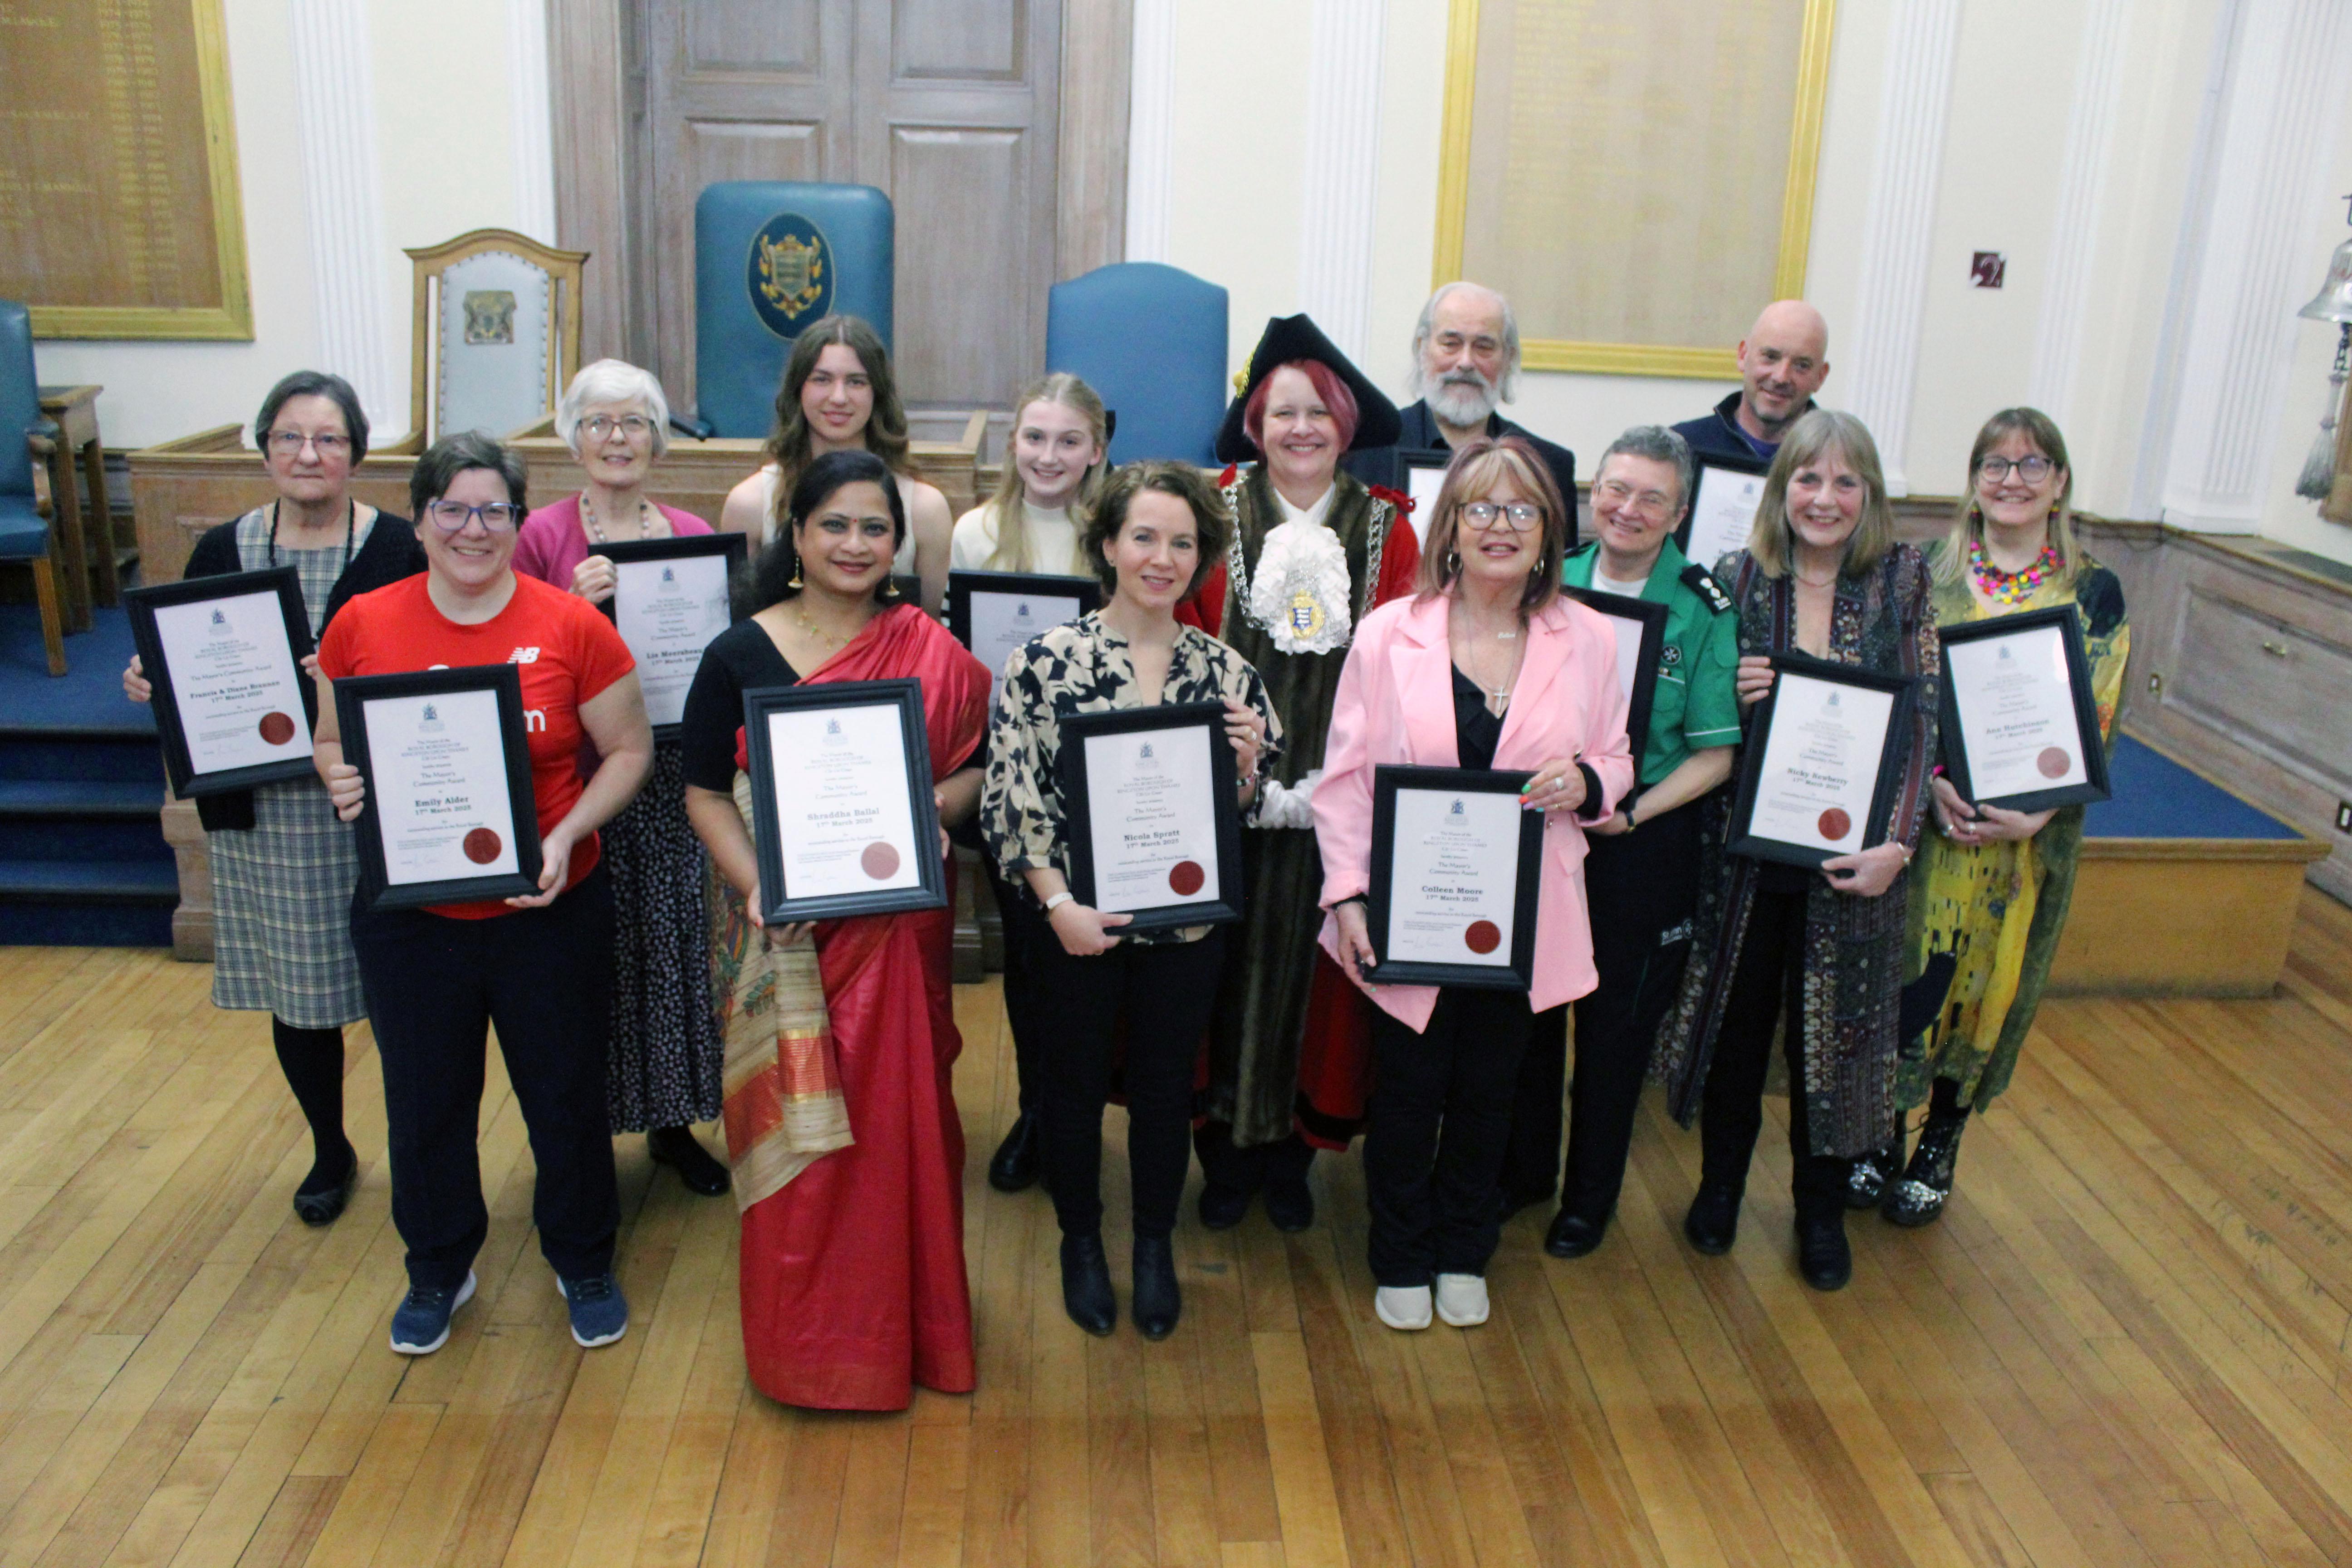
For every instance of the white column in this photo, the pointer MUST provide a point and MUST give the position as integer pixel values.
(1901, 218)
(533, 121)
(2254, 262)
(2082, 194)
(1343, 145)
(1150, 130)
(335, 114)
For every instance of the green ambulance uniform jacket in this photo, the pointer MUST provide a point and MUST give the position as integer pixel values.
(1695, 706)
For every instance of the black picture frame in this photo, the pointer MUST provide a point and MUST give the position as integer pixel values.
(964, 585)
(1426, 460)
(778, 905)
(1700, 463)
(1651, 615)
(352, 695)
(1077, 808)
(1739, 836)
(154, 663)
(1952, 739)
(1518, 974)
(735, 547)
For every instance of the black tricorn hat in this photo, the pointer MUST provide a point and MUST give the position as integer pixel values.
(1288, 338)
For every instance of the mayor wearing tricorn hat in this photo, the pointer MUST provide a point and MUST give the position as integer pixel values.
(1313, 550)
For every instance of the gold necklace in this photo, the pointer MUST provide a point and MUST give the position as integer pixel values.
(823, 638)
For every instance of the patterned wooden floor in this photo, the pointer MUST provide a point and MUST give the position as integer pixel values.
(2126, 1344)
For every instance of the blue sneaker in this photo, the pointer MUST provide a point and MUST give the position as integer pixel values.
(599, 1313)
(420, 1324)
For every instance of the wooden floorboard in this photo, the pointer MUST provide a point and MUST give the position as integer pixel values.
(2129, 1342)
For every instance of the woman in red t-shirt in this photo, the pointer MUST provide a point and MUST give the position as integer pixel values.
(537, 967)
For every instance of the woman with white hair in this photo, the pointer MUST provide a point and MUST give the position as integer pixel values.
(664, 1072)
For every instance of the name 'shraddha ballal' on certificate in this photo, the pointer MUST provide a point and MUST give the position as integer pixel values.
(843, 821)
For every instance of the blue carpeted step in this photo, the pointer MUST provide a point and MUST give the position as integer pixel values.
(87, 904)
(38, 924)
(81, 820)
(108, 755)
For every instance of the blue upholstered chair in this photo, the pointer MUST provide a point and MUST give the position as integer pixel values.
(23, 529)
(771, 257)
(1151, 340)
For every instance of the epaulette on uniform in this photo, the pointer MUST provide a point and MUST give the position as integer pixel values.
(1699, 580)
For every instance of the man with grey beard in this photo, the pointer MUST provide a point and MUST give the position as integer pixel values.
(1466, 364)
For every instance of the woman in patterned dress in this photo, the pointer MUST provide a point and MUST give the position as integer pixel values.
(1822, 575)
(1142, 997)
(283, 867)
(1992, 887)
(665, 1063)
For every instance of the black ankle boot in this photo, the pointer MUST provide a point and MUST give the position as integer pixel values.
(1823, 1254)
(1015, 1164)
(1159, 1300)
(1085, 1285)
(1918, 1198)
(1866, 1183)
(1713, 1223)
(678, 1147)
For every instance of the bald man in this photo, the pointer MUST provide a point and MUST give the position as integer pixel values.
(1783, 361)
(1466, 364)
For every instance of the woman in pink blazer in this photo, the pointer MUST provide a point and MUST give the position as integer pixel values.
(1485, 667)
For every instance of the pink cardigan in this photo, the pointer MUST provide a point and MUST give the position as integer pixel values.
(552, 544)
(1395, 704)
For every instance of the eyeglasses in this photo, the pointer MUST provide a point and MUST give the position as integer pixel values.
(1482, 514)
(597, 426)
(1642, 503)
(2033, 470)
(287, 443)
(449, 516)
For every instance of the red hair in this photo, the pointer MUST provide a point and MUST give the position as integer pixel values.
(1328, 386)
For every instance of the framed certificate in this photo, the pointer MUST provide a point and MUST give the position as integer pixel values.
(1457, 863)
(449, 817)
(669, 599)
(2020, 729)
(1422, 475)
(1155, 831)
(842, 811)
(994, 613)
(1823, 761)
(1723, 509)
(224, 655)
(1640, 626)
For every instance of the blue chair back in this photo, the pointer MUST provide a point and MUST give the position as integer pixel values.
(1151, 340)
(771, 257)
(20, 399)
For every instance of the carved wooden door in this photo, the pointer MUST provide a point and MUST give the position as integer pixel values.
(949, 106)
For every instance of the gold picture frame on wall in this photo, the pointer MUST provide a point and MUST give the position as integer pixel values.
(124, 133)
(1501, 172)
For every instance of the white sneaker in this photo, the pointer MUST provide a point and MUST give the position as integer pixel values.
(1402, 1306)
(1462, 1300)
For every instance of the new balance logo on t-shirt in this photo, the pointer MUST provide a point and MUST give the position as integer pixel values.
(523, 655)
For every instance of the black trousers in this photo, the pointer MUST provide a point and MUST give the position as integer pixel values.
(1226, 1165)
(1151, 1002)
(1435, 1132)
(434, 985)
(1642, 887)
(1025, 994)
(1767, 986)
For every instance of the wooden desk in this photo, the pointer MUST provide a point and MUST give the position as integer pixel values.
(85, 534)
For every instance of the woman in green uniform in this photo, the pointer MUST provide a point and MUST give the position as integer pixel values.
(1992, 886)
(1641, 864)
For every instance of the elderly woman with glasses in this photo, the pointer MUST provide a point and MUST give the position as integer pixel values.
(282, 866)
(666, 1051)
(539, 967)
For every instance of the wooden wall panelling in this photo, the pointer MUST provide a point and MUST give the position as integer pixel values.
(1097, 44)
(588, 100)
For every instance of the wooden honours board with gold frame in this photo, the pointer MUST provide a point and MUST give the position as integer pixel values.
(120, 213)
(1636, 175)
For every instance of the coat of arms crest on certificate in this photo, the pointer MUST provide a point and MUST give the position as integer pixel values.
(790, 274)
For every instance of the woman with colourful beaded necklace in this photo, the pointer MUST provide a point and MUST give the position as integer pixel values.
(1992, 886)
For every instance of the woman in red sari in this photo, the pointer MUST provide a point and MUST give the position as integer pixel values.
(840, 1036)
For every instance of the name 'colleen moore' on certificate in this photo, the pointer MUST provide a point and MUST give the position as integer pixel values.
(2020, 730)
(448, 817)
(224, 655)
(1457, 865)
(669, 599)
(1155, 830)
(1822, 761)
(842, 810)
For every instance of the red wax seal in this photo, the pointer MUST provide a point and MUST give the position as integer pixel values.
(277, 729)
(1834, 825)
(1483, 936)
(2054, 761)
(879, 862)
(482, 845)
(1186, 878)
